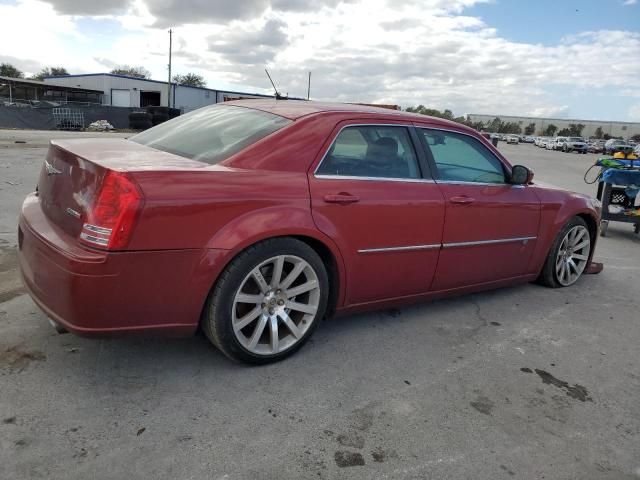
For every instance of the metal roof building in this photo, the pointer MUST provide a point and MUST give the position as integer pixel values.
(20, 90)
(126, 91)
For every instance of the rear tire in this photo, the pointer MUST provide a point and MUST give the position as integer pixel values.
(255, 315)
(568, 257)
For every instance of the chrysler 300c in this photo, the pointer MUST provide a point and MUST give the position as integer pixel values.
(255, 219)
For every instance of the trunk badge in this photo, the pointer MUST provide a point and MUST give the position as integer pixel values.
(73, 213)
(51, 170)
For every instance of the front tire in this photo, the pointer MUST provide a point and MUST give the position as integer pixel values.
(569, 255)
(267, 302)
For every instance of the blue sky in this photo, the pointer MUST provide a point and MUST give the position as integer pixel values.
(567, 58)
(548, 21)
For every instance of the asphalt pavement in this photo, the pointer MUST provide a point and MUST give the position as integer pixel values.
(524, 382)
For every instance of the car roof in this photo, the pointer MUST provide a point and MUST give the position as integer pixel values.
(295, 109)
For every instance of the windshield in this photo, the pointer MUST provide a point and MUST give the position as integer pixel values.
(211, 134)
(576, 139)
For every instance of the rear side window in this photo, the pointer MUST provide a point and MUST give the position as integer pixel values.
(461, 158)
(212, 134)
(371, 151)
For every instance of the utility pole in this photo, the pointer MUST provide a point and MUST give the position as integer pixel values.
(309, 87)
(169, 81)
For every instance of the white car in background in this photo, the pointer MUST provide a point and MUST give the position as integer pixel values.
(513, 139)
(559, 143)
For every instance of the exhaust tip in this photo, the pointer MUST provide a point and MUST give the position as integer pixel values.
(58, 328)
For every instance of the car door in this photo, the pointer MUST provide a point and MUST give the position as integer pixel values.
(491, 227)
(371, 192)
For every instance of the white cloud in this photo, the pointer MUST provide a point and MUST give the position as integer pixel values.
(393, 51)
(634, 112)
(557, 111)
(630, 2)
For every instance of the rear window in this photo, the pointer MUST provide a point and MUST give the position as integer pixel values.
(211, 134)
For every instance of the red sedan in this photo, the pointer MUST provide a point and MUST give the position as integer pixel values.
(255, 219)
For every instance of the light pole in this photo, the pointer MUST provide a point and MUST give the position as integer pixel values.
(169, 80)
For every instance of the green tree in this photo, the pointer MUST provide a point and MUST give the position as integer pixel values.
(565, 132)
(190, 79)
(130, 71)
(598, 133)
(432, 112)
(550, 131)
(575, 129)
(8, 70)
(50, 72)
(529, 129)
(636, 137)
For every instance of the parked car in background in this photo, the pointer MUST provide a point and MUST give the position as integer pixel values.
(558, 143)
(575, 144)
(513, 139)
(595, 147)
(254, 219)
(549, 143)
(529, 139)
(614, 145)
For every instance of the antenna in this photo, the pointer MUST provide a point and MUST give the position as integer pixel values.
(278, 96)
(309, 87)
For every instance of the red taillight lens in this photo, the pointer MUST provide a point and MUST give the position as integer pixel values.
(110, 220)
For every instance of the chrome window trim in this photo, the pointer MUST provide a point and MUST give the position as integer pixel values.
(384, 179)
(488, 242)
(525, 240)
(471, 136)
(345, 177)
(400, 249)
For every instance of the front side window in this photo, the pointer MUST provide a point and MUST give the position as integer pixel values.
(371, 151)
(212, 134)
(461, 158)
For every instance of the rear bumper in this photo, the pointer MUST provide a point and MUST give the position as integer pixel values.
(97, 293)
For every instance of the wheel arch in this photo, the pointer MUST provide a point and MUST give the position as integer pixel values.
(323, 246)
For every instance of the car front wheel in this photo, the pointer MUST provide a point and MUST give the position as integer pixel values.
(568, 257)
(267, 302)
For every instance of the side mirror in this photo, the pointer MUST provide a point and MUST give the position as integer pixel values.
(521, 175)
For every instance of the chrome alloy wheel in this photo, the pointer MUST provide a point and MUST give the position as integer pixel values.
(573, 255)
(275, 305)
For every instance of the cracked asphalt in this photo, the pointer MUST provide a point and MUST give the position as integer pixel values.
(524, 382)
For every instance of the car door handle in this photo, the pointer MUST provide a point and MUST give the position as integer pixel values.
(342, 198)
(462, 200)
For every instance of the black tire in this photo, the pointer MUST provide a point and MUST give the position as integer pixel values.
(548, 276)
(139, 117)
(157, 109)
(159, 118)
(216, 321)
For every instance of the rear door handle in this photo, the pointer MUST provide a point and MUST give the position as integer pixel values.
(462, 200)
(341, 198)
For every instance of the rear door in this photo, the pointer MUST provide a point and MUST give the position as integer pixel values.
(374, 197)
(491, 226)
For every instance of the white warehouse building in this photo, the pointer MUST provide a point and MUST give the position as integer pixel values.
(125, 91)
(615, 129)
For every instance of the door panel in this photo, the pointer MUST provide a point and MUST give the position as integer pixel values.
(388, 215)
(491, 226)
(498, 214)
(386, 220)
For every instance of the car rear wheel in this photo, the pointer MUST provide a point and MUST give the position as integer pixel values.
(568, 257)
(267, 302)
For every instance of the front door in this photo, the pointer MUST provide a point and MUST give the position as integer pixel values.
(371, 196)
(491, 226)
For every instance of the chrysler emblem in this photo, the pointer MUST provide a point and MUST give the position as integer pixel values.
(51, 170)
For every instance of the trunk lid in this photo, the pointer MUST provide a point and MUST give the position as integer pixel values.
(73, 172)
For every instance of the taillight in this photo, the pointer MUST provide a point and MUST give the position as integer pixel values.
(110, 220)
